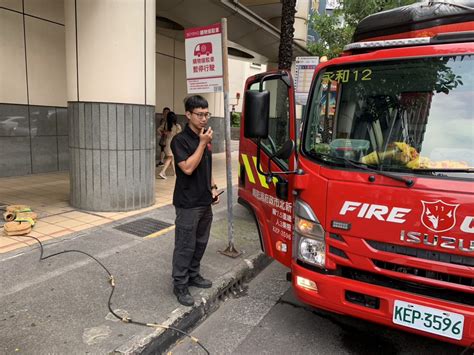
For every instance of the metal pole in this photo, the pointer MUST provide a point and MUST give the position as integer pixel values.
(230, 250)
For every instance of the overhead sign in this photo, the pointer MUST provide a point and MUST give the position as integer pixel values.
(304, 70)
(203, 47)
(332, 4)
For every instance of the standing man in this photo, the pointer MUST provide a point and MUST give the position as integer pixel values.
(193, 195)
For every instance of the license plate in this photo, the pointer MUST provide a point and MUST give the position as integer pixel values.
(431, 320)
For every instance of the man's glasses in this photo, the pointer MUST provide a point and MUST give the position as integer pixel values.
(202, 114)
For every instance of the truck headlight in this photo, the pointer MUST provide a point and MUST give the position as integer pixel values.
(306, 227)
(311, 247)
(312, 251)
(309, 244)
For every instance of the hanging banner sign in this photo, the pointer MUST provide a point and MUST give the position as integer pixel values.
(304, 70)
(333, 4)
(203, 47)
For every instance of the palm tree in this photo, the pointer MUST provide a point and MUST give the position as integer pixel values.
(285, 57)
(285, 52)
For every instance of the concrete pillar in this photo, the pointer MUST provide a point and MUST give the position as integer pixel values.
(301, 22)
(110, 59)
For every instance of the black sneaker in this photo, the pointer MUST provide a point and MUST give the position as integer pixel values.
(200, 282)
(183, 296)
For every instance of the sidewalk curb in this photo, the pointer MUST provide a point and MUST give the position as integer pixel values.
(185, 318)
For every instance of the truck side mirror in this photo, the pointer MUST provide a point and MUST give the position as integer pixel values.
(256, 114)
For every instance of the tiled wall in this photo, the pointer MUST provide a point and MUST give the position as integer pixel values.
(33, 139)
(33, 114)
(170, 74)
(33, 53)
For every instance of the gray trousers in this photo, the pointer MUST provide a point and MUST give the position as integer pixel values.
(193, 226)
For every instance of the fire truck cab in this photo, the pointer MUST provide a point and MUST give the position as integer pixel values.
(370, 202)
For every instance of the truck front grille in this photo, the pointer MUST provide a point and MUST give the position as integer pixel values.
(455, 279)
(406, 286)
(422, 253)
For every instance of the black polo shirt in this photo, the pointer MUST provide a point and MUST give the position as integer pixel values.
(191, 190)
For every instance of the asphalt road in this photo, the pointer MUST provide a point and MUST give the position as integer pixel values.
(265, 318)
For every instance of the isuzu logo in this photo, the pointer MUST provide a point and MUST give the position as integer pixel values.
(442, 241)
(438, 216)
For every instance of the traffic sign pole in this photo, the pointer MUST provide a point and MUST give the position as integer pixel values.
(230, 250)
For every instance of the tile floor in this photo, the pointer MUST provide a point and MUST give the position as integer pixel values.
(48, 196)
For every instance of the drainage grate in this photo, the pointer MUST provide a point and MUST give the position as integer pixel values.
(143, 227)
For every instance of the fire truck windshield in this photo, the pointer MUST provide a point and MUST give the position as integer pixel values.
(411, 115)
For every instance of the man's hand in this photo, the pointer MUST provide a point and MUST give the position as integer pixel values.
(190, 164)
(205, 137)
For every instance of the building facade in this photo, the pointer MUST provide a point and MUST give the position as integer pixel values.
(81, 81)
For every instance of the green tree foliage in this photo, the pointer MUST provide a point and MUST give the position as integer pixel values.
(235, 119)
(336, 30)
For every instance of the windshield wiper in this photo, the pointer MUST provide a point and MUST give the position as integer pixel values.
(434, 170)
(363, 166)
(407, 182)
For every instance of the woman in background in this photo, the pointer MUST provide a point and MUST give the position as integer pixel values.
(170, 128)
(161, 140)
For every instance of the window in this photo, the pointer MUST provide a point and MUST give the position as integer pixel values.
(414, 115)
(279, 124)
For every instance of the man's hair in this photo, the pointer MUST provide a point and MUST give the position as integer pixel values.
(166, 108)
(195, 101)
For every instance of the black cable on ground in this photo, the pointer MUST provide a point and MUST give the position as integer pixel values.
(112, 285)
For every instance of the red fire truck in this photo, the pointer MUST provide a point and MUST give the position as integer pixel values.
(370, 201)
